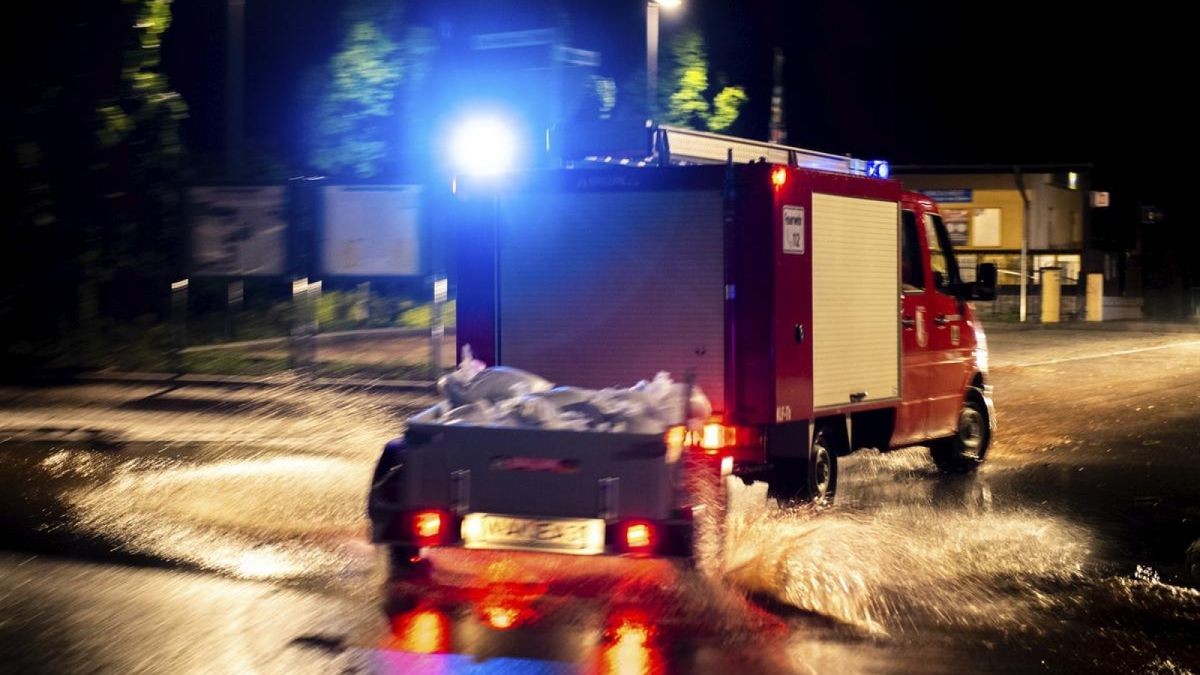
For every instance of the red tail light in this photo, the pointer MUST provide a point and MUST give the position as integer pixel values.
(637, 536)
(429, 527)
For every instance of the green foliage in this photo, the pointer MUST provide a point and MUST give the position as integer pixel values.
(95, 179)
(421, 315)
(727, 104)
(605, 91)
(356, 132)
(145, 105)
(687, 102)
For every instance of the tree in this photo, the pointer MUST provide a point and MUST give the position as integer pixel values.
(95, 178)
(688, 102)
(356, 131)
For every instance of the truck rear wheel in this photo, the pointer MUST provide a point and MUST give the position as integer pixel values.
(965, 450)
(807, 479)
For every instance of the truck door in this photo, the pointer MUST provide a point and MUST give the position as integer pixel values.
(949, 350)
(914, 335)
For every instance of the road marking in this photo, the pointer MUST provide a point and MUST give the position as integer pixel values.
(1191, 343)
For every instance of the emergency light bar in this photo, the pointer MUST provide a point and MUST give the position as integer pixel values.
(685, 146)
(667, 145)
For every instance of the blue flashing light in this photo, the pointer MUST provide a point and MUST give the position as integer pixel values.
(879, 168)
(483, 146)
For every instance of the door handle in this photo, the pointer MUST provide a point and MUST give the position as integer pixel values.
(941, 319)
(908, 322)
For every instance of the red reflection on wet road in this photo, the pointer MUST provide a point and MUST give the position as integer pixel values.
(630, 645)
(425, 630)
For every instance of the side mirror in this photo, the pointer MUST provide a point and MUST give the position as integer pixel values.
(984, 286)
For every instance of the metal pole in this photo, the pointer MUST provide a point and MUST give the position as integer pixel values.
(651, 58)
(235, 49)
(234, 293)
(1024, 241)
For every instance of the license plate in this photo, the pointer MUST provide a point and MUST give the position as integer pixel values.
(583, 536)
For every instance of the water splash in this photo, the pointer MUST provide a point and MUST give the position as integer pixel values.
(895, 567)
(276, 490)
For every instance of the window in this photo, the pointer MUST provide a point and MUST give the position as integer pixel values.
(941, 254)
(912, 273)
(1069, 264)
(985, 227)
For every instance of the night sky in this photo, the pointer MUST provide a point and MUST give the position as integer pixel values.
(917, 82)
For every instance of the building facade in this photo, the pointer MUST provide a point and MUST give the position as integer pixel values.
(985, 212)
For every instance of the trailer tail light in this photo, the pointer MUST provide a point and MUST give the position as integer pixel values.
(637, 536)
(779, 176)
(429, 527)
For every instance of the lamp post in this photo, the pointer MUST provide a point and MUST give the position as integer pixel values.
(652, 49)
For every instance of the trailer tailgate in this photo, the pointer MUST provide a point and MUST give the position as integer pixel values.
(539, 472)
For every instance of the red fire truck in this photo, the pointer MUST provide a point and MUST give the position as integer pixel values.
(819, 307)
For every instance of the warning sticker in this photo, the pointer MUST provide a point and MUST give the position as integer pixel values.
(793, 229)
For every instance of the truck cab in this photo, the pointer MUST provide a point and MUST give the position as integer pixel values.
(944, 348)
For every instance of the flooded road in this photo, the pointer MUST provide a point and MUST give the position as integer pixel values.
(201, 530)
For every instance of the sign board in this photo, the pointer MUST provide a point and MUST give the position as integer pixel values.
(963, 196)
(793, 229)
(576, 57)
(238, 231)
(958, 226)
(371, 231)
(516, 38)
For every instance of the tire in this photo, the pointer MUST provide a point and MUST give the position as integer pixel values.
(810, 479)
(966, 450)
(404, 562)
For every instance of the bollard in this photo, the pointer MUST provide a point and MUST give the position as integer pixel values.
(302, 351)
(361, 311)
(179, 307)
(1095, 297)
(437, 325)
(1051, 294)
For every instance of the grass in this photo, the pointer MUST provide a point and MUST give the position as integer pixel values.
(232, 363)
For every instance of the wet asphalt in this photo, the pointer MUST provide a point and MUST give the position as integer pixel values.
(203, 529)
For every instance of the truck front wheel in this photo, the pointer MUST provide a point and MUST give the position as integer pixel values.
(807, 479)
(965, 450)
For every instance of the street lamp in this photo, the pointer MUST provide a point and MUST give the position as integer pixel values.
(652, 49)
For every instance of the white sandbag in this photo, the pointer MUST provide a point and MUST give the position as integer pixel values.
(472, 381)
(507, 397)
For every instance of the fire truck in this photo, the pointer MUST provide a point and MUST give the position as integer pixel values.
(817, 304)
